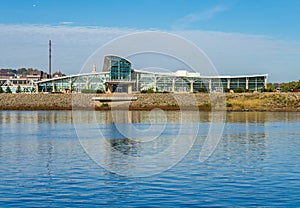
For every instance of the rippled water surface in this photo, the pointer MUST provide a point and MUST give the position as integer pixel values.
(43, 163)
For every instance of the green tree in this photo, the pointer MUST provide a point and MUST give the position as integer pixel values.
(287, 87)
(271, 87)
(18, 90)
(203, 90)
(239, 90)
(8, 90)
(1, 90)
(22, 71)
(30, 70)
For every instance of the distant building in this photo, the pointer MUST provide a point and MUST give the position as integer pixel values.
(118, 76)
(57, 74)
(26, 80)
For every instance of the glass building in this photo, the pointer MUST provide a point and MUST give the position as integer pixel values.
(118, 76)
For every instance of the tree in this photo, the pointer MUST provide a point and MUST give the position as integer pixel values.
(8, 90)
(22, 71)
(1, 90)
(271, 87)
(203, 90)
(239, 90)
(18, 90)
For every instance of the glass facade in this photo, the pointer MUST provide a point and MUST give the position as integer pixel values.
(119, 68)
(118, 74)
(76, 83)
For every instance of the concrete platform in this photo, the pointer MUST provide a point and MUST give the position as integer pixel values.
(114, 98)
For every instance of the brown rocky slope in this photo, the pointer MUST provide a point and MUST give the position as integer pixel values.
(167, 101)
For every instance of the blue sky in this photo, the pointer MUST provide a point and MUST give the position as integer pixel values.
(239, 36)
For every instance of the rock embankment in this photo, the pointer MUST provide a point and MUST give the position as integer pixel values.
(167, 101)
(34, 102)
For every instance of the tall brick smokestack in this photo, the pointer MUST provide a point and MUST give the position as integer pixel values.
(50, 73)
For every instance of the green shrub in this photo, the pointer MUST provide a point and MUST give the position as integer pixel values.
(8, 90)
(18, 90)
(228, 104)
(239, 90)
(148, 91)
(1, 90)
(92, 91)
(226, 90)
(203, 90)
(99, 91)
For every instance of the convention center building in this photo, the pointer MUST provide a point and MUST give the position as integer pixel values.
(118, 75)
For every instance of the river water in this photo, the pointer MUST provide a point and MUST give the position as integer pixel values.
(45, 164)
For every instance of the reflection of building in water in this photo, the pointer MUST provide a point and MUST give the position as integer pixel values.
(119, 76)
(154, 116)
(120, 154)
(50, 152)
(247, 117)
(36, 117)
(54, 117)
(117, 116)
(125, 146)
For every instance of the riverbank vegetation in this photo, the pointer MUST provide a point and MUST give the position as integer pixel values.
(167, 101)
(293, 86)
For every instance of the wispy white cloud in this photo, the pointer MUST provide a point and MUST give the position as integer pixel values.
(191, 18)
(232, 53)
(237, 53)
(66, 23)
(26, 45)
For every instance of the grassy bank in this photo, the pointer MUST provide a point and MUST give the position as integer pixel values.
(234, 102)
(263, 102)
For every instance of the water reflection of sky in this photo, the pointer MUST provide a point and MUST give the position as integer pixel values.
(43, 164)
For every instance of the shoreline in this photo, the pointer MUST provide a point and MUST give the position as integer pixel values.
(237, 102)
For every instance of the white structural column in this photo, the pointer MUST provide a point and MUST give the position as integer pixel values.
(53, 87)
(209, 86)
(36, 88)
(129, 91)
(191, 86)
(256, 84)
(87, 84)
(265, 83)
(228, 83)
(137, 83)
(247, 83)
(70, 85)
(173, 85)
(155, 86)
